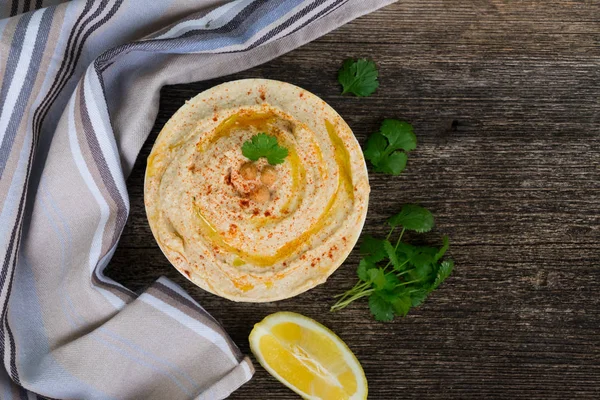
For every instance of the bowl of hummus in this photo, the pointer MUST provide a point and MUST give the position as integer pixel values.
(250, 230)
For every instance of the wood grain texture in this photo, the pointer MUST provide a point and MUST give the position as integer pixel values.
(505, 99)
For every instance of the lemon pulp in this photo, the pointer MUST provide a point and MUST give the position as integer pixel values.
(307, 357)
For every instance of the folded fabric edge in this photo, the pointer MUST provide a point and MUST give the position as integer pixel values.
(179, 305)
(240, 373)
(229, 383)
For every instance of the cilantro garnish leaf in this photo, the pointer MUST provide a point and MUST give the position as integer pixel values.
(381, 309)
(358, 77)
(395, 275)
(387, 148)
(263, 145)
(413, 218)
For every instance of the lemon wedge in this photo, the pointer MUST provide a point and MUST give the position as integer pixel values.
(308, 358)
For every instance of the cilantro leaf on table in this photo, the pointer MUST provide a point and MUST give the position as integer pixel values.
(377, 277)
(413, 218)
(392, 283)
(418, 297)
(363, 269)
(263, 145)
(402, 305)
(381, 309)
(405, 251)
(391, 254)
(358, 77)
(421, 261)
(387, 148)
(423, 270)
(372, 249)
(397, 276)
(444, 271)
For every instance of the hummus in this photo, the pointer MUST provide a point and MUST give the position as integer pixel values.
(250, 231)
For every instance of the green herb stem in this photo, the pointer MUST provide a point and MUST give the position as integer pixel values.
(408, 283)
(342, 304)
(357, 288)
(390, 234)
(399, 238)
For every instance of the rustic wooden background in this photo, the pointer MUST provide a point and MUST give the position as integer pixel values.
(505, 99)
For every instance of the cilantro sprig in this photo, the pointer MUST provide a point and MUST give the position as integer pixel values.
(397, 277)
(358, 77)
(387, 149)
(263, 145)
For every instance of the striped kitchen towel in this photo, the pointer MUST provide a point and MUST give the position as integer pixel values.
(79, 92)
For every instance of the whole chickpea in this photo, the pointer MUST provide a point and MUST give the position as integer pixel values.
(268, 175)
(248, 171)
(261, 194)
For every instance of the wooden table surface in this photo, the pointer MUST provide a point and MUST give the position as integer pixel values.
(505, 100)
